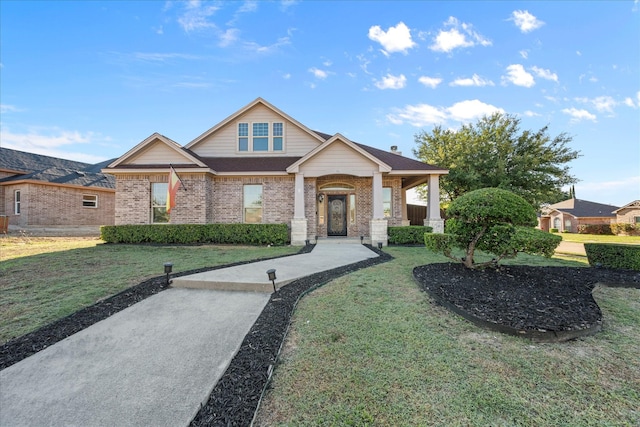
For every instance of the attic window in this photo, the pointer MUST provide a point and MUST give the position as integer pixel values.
(261, 137)
(337, 186)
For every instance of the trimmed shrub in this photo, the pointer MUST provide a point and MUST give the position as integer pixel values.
(599, 229)
(236, 234)
(553, 230)
(495, 221)
(625, 228)
(409, 235)
(608, 255)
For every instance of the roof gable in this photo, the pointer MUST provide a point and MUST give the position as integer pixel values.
(156, 149)
(258, 102)
(630, 206)
(353, 157)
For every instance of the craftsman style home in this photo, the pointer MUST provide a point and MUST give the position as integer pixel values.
(43, 191)
(260, 165)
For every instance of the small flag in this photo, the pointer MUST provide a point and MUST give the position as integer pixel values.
(172, 188)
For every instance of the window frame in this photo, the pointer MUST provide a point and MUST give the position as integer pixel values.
(249, 134)
(162, 202)
(388, 190)
(85, 200)
(17, 202)
(255, 206)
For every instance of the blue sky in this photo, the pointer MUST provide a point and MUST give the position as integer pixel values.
(89, 80)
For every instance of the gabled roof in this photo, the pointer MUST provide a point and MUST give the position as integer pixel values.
(51, 170)
(257, 101)
(337, 137)
(188, 156)
(632, 205)
(584, 208)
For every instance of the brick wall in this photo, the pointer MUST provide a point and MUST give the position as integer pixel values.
(52, 205)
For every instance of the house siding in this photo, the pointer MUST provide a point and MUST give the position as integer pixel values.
(224, 143)
(628, 216)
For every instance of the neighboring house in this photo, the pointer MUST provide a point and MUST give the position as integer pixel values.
(260, 165)
(567, 215)
(629, 213)
(42, 191)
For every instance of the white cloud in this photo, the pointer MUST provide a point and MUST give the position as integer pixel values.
(603, 104)
(318, 73)
(196, 16)
(524, 53)
(577, 115)
(395, 39)
(49, 141)
(476, 80)
(431, 82)
(525, 21)
(267, 49)
(530, 113)
(460, 35)
(228, 37)
(517, 75)
(6, 108)
(424, 114)
(466, 111)
(629, 102)
(392, 82)
(545, 74)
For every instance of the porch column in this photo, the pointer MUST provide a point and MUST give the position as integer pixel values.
(299, 222)
(433, 205)
(377, 224)
(405, 216)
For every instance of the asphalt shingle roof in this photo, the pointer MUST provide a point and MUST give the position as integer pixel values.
(584, 208)
(48, 169)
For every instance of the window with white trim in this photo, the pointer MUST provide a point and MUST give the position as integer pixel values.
(89, 200)
(636, 219)
(252, 203)
(261, 137)
(159, 202)
(16, 202)
(387, 206)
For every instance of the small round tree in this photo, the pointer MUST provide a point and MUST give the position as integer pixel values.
(495, 221)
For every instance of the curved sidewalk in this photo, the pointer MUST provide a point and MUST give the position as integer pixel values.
(154, 363)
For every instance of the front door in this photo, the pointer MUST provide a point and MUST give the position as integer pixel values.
(337, 225)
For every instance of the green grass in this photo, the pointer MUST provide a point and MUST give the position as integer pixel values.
(371, 349)
(44, 279)
(593, 238)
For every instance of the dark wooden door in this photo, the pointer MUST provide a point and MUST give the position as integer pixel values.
(337, 216)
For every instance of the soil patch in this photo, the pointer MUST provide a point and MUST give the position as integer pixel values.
(543, 303)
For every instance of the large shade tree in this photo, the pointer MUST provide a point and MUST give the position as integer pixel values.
(495, 152)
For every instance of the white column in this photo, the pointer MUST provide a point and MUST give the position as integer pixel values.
(434, 197)
(433, 208)
(378, 211)
(405, 217)
(298, 212)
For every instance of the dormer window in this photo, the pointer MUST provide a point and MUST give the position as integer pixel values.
(261, 137)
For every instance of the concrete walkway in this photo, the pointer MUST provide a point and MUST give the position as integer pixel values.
(155, 362)
(571, 248)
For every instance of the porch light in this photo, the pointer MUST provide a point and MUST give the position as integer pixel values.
(168, 267)
(272, 276)
(380, 245)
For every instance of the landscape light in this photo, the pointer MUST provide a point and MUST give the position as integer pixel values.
(168, 267)
(272, 276)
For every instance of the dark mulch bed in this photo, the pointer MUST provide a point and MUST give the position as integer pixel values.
(543, 303)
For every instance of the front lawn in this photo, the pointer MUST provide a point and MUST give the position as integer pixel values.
(595, 238)
(45, 279)
(371, 349)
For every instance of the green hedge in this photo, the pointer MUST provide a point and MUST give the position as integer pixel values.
(625, 257)
(625, 228)
(237, 234)
(409, 235)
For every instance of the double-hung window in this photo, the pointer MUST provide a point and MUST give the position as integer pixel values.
(159, 202)
(261, 137)
(16, 202)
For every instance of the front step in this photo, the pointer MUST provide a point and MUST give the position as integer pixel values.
(340, 240)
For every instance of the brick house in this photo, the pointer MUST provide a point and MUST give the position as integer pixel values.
(260, 165)
(629, 214)
(567, 215)
(43, 191)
